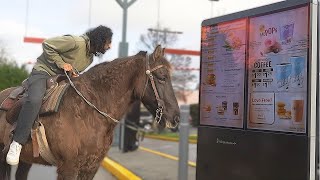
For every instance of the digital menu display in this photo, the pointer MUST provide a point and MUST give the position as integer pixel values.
(223, 51)
(277, 71)
(256, 68)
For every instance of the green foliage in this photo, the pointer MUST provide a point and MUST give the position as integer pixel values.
(194, 112)
(11, 74)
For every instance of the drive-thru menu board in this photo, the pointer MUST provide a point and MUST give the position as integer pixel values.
(270, 54)
(277, 71)
(223, 48)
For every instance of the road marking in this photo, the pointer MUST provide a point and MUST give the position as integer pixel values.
(190, 163)
(164, 138)
(118, 171)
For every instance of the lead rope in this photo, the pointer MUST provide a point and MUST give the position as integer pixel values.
(89, 103)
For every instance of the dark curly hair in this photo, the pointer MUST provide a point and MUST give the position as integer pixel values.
(99, 36)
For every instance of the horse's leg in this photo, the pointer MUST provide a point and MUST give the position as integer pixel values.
(88, 174)
(23, 170)
(5, 169)
(67, 171)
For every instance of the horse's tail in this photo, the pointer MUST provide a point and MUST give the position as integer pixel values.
(5, 168)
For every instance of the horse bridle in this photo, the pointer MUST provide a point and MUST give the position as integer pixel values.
(159, 111)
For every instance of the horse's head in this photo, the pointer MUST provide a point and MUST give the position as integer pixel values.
(158, 95)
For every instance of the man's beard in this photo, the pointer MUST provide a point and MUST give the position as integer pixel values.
(99, 54)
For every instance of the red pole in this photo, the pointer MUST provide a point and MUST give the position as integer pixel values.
(33, 40)
(182, 52)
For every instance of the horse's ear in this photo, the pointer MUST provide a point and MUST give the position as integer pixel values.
(163, 50)
(158, 52)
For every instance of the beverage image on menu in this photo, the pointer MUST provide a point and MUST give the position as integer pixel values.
(283, 72)
(235, 108)
(286, 32)
(298, 71)
(297, 106)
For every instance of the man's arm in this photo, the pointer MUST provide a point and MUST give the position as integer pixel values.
(53, 47)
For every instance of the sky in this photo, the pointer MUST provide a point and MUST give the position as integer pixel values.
(44, 18)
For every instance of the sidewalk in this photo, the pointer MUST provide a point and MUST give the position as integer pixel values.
(149, 166)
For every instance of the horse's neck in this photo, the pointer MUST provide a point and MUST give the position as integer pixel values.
(115, 92)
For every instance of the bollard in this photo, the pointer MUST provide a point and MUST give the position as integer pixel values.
(116, 136)
(122, 129)
(183, 142)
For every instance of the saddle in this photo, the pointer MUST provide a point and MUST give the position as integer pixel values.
(56, 87)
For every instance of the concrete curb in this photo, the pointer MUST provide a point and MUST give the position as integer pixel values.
(120, 172)
(164, 138)
(190, 163)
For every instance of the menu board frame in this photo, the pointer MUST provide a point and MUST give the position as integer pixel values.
(257, 12)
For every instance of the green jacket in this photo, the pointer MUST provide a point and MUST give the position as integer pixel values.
(64, 49)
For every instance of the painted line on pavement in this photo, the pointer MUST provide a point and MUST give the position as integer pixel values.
(190, 163)
(118, 170)
(191, 141)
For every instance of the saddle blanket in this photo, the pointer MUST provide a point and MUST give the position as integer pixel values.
(50, 104)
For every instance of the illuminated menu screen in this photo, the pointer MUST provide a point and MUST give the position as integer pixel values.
(223, 54)
(277, 71)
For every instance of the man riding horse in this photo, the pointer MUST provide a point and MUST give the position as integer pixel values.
(64, 53)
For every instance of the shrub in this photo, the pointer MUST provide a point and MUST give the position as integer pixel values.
(194, 112)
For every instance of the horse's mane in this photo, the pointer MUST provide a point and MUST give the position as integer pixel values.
(117, 62)
(109, 73)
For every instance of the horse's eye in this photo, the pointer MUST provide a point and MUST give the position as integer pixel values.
(162, 80)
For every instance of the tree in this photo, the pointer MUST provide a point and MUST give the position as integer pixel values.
(10, 73)
(4, 58)
(181, 79)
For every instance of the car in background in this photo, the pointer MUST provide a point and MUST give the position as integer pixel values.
(146, 120)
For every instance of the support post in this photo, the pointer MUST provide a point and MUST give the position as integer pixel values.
(183, 142)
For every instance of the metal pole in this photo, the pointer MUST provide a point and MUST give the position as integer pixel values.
(124, 22)
(211, 9)
(212, 6)
(121, 139)
(123, 45)
(89, 18)
(123, 51)
(183, 142)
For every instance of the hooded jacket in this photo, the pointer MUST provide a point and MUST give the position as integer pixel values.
(57, 51)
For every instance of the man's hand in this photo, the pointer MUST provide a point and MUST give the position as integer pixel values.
(67, 67)
(74, 74)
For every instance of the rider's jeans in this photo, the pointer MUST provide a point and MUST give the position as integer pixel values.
(37, 83)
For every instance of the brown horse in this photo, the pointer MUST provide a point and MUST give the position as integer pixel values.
(79, 137)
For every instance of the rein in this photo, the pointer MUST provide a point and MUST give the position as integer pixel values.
(159, 111)
(88, 102)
